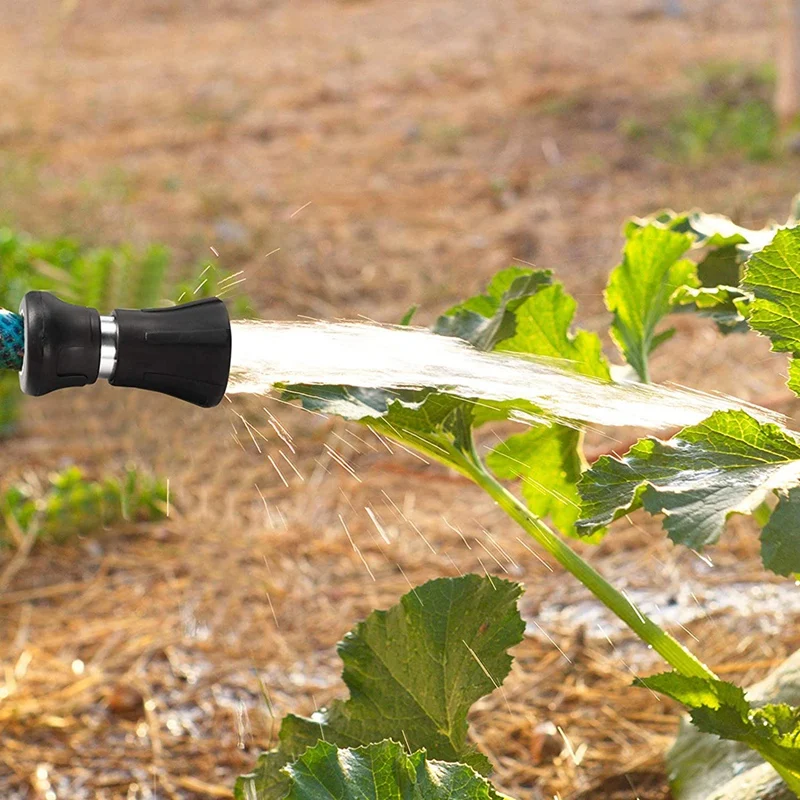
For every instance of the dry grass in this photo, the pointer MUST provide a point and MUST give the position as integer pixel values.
(434, 142)
(175, 625)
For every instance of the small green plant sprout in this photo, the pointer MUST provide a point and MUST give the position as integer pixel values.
(728, 111)
(413, 673)
(70, 505)
(729, 463)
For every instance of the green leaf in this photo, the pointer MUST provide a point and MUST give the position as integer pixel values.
(381, 771)
(723, 304)
(441, 425)
(269, 781)
(436, 423)
(720, 708)
(773, 276)
(709, 230)
(547, 461)
(780, 542)
(727, 247)
(543, 324)
(413, 673)
(487, 319)
(727, 464)
(716, 230)
(409, 315)
(640, 289)
(546, 458)
(721, 267)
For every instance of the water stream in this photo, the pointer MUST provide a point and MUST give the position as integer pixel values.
(391, 357)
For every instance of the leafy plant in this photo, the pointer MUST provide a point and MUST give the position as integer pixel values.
(640, 290)
(727, 110)
(730, 463)
(413, 673)
(70, 504)
(381, 771)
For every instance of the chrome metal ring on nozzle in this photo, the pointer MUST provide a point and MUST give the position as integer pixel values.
(109, 336)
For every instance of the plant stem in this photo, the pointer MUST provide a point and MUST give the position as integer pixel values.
(668, 648)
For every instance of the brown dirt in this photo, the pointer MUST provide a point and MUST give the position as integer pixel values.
(396, 153)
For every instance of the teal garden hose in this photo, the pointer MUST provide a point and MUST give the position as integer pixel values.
(12, 340)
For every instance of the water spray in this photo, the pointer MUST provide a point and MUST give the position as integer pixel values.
(183, 351)
(193, 352)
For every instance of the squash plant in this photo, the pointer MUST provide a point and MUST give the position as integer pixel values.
(730, 463)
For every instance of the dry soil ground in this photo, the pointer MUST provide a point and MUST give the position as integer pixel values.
(396, 153)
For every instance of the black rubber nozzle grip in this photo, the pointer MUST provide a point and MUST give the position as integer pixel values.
(62, 344)
(183, 351)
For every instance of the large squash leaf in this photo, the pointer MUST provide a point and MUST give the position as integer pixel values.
(720, 708)
(413, 673)
(730, 463)
(382, 771)
(773, 276)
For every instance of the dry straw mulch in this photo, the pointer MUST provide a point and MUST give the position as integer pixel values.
(136, 659)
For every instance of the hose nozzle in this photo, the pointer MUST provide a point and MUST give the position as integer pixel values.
(183, 351)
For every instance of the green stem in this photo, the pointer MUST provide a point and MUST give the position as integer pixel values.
(790, 778)
(645, 376)
(668, 648)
